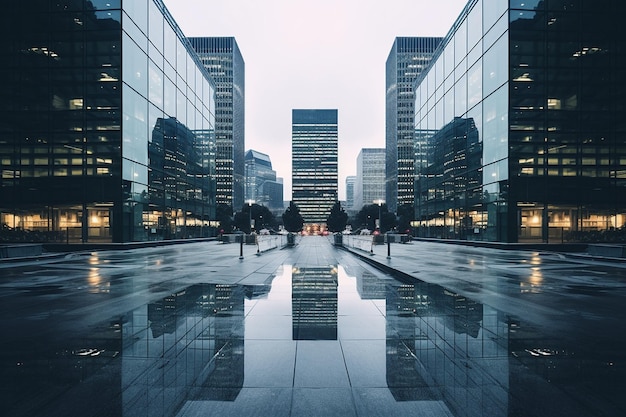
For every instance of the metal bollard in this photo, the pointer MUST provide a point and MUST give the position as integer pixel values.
(388, 247)
(240, 246)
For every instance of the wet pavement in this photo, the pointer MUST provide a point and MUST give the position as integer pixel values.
(313, 330)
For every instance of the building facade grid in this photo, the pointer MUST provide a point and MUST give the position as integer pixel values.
(223, 60)
(369, 186)
(522, 119)
(314, 163)
(409, 56)
(107, 129)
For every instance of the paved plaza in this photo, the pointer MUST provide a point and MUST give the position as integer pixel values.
(316, 329)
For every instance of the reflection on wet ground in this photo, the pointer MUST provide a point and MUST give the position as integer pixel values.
(329, 339)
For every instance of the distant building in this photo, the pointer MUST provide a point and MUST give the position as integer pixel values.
(314, 164)
(521, 112)
(350, 181)
(262, 186)
(222, 58)
(406, 61)
(370, 179)
(100, 141)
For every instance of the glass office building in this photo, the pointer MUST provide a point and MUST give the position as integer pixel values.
(223, 60)
(314, 147)
(369, 187)
(406, 61)
(262, 185)
(107, 126)
(520, 124)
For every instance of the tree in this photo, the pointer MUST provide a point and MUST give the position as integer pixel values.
(260, 216)
(292, 219)
(406, 214)
(224, 215)
(367, 216)
(337, 219)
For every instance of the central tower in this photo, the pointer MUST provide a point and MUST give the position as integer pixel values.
(314, 145)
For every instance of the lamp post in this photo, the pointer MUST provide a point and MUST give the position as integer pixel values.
(380, 204)
(250, 203)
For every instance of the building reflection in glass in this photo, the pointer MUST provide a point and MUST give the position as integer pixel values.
(101, 140)
(449, 181)
(314, 303)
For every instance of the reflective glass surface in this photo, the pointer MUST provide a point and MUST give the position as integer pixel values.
(542, 93)
(177, 332)
(82, 102)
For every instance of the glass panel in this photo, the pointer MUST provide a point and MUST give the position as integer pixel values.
(495, 67)
(135, 127)
(475, 84)
(494, 33)
(155, 94)
(492, 11)
(138, 11)
(495, 126)
(527, 4)
(135, 66)
(136, 34)
(448, 55)
(169, 98)
(460, 41)
(156, 26)
(460, 97)
(104, 4)
(169, 46)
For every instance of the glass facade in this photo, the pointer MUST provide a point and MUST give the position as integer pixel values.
(223, 60)
(519, 124)
(406, 61)
(262, 186)
(314, 147)
(370, 180)
(350, 181)
(107, 129)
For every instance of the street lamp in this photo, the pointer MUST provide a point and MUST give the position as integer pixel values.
(380, 204)
(250, 203)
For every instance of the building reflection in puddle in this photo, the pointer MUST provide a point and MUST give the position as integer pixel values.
(314, 303)
(190, 346)
(443, 346)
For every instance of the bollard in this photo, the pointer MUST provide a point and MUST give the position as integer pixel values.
(388, 247)
(372, 247)
(240, 246)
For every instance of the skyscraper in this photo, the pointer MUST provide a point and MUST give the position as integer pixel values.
(406, 61)
(262, 186)
(370, 177)
(107, 124)
(314, 151)
(350, 180)
(222, 58)
(522, 114)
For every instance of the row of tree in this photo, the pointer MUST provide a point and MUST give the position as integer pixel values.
(260, 217)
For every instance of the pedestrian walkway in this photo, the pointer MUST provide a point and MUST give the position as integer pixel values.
(211, 328)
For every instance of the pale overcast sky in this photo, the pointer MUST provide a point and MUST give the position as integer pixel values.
(304, 54)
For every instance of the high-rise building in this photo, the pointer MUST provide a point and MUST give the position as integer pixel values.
(222, 58)
(369, 186)
(350, 180)
(406, 61)
(107, 124)
(314, 155)
(262, 186)
(522, 114)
